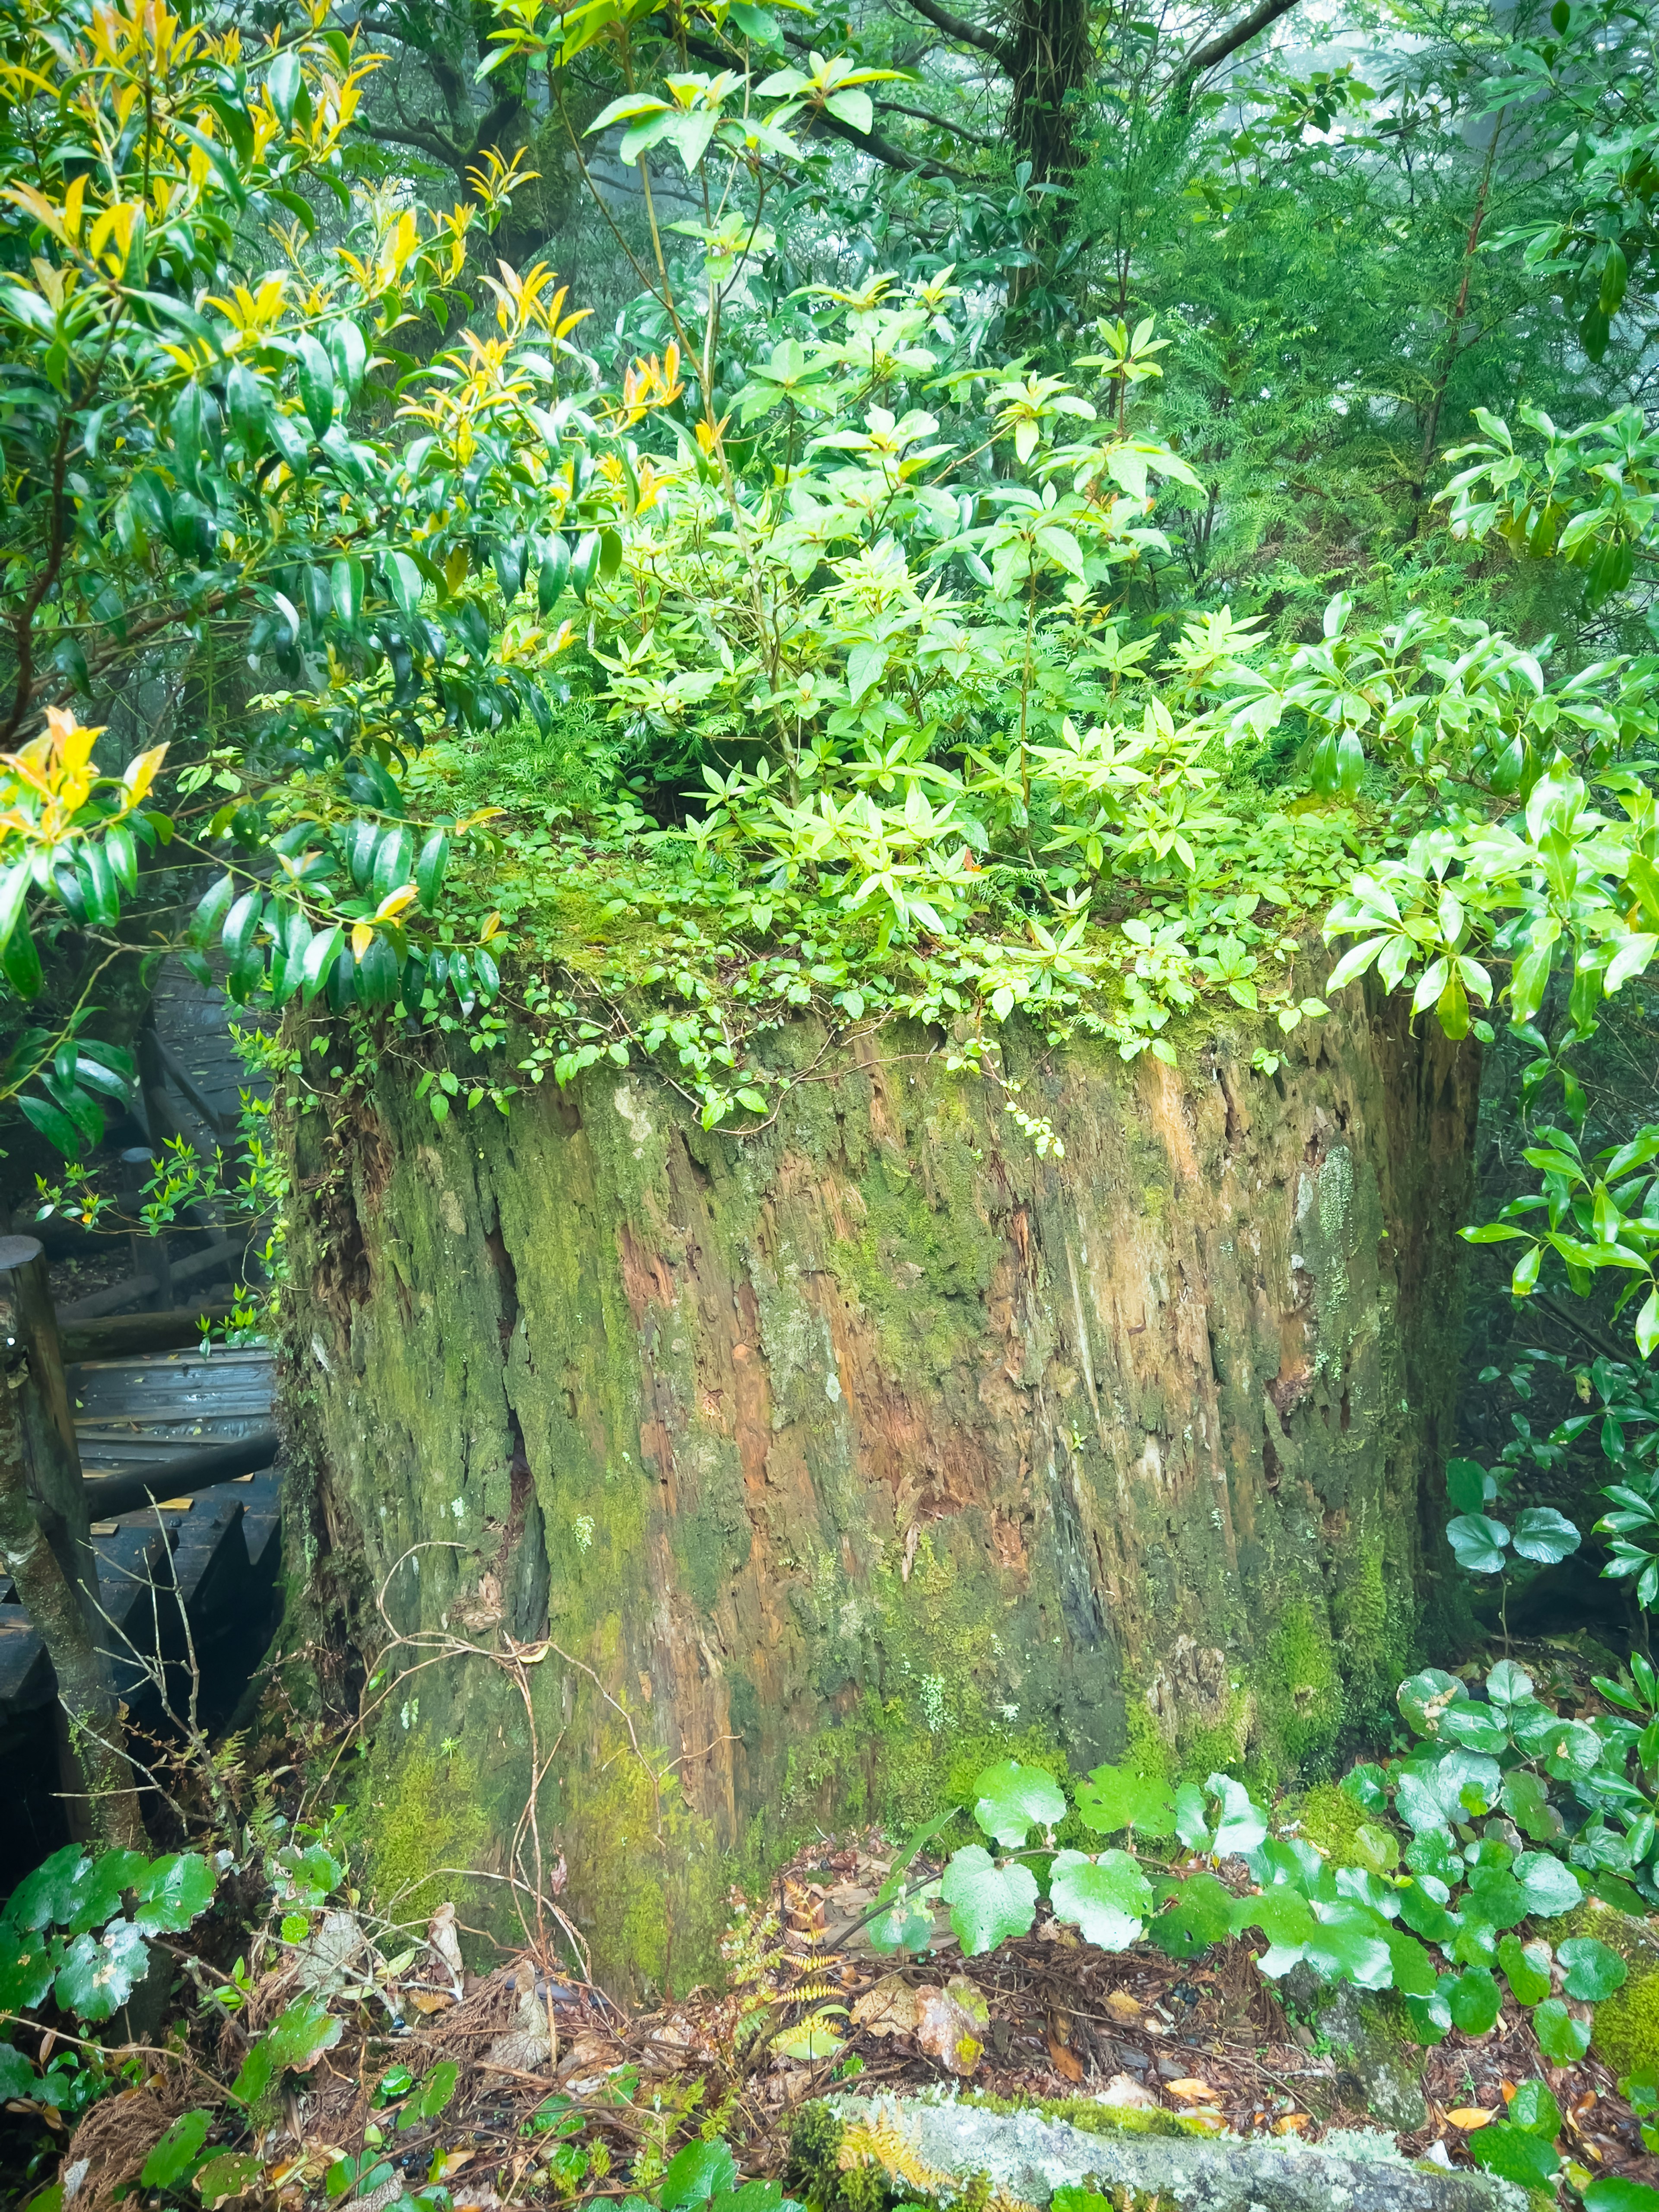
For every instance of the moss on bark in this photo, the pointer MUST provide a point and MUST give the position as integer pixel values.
(831, 1458)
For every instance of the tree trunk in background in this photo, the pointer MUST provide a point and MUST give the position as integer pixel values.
(1048, 55)
(852, 1455)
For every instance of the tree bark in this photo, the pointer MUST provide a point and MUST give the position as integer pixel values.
(55, 1608)
(814, 1471)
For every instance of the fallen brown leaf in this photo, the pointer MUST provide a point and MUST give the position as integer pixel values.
(951, 2024)
(1189, 2088)
(891, 2007)
(1124, 2008)
(1064, 2062)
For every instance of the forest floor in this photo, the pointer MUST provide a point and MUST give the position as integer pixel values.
(549, 2069)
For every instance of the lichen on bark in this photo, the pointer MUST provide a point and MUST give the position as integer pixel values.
(840, 1450)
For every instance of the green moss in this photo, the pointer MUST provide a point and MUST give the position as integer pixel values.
(1329, 1819)
(1301, 1691)
(1091, 2118)
(424, 1814)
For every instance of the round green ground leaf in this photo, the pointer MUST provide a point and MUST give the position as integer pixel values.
(1423, 1914)
(50, 1893)
(1542, 1534)
(1526, 1968)
(1433, 1853)
(1532, 2107)
(1112, 1798)
(1476, 1999)
(1560, 2037)
(177, 2152)
(28, 1959)
(232, 2174)
(1108, 1899)
(1514, 2155)
(1015, 1799)
(176, 1890)
(1477, 1727)
(97, 1978)
(696, 2173)
(1426, 1696)
(1526, 1799)
(1496, 1898)
(1430, 2017)
(1200, 1913)
(17, 2075)
(1612, 2193)
(1508, 1684)
(1594, 1972)
(1350, 1943)
(1573, 1749)
(1550, 1887)
(1478, 1542)
(1367, 1784)
(1414, 1974)
(988, 1902)
(1242, 1823)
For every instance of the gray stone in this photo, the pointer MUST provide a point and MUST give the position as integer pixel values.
(1353, 2170)
(1355, 2023)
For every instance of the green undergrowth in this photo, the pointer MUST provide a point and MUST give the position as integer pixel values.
(1626, 2032)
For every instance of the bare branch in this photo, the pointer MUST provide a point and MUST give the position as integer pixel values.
(1216, 50)
(966, 34)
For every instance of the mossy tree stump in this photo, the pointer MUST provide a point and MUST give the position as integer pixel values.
(850, 1455)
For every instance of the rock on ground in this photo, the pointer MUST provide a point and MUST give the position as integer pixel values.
(1030, 2157)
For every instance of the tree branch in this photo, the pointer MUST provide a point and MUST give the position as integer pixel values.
(968, 34)
(956, 129)
(1224, 43)
(424, 136)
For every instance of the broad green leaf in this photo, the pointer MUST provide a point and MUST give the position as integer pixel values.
(1350, 1943)
(1466, 1485)
(1615, 2194)
(17, 2077)
(1544, 1535)
(232, 2173)
(1107, 1898)
(1497, 1899)
(1199, 1912)
(97, 1975)
(1115, 1797)
(1515, 2154)
(1526, 1968)
(1426, 1696)
(1572, 1749)
(988, 1902)
(1594, 1972)
(1534, 2108)
(1479, 1543)
(1526, 1798)
(695, 2173)
(1015, 1799)
(176, 2154)
(1560, 2037)
(1242, 1823)
(1474, 1999)
(174, 1892)
(1430, 2017)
